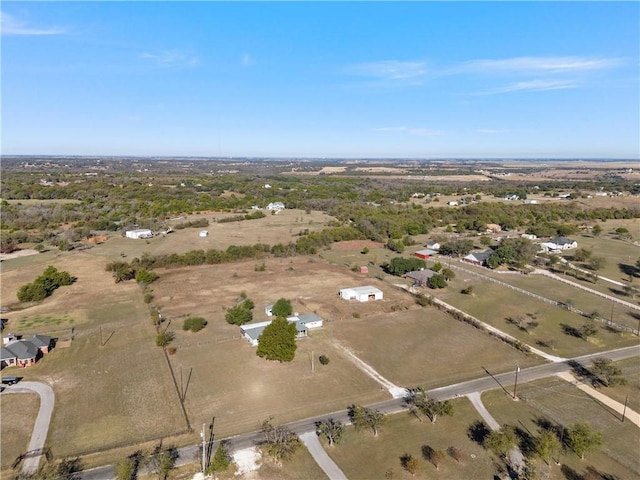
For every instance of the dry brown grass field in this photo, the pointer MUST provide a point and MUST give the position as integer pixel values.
(121, 392)
(561, 403)
(17, 416)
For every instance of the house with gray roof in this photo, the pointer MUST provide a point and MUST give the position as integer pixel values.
(478, 258)
(24, 353)
(304, 323)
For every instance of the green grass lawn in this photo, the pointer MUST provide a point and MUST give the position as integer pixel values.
(361, 456)
(561, 403)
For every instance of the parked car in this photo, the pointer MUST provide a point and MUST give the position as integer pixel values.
(10, 380)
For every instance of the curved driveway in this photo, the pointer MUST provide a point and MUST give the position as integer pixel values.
(41, 426)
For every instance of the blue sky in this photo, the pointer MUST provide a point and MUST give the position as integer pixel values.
(326, 79)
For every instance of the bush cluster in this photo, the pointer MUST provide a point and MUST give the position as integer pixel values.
(195, 324)
(44, 285)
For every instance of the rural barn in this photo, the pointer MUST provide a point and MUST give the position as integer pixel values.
(362, 294)
(139, 233)
(425, 254)
(478, 258)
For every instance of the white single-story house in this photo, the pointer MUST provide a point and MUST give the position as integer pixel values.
(558, 244)
(362, 294)
(478, 258)
(275, 206)
(139, 233)
(433, 245)
(531, 202)
(204, 233)
(528, 236)
(452, 203)
(304, 323)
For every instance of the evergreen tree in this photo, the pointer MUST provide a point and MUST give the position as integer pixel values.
(278, 341)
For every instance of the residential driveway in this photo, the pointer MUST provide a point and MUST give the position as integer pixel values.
(41, 427)
(311, 441)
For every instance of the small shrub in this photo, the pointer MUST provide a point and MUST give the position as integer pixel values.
(171, 350)
(148, 298)
(356, 315)
(195, 324)
(324, 360)
(467, 291)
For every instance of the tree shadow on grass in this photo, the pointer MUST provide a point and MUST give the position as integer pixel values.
(478, 432)
(572, 331)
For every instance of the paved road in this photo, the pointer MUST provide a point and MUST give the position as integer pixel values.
(41, 426)
(488, 381)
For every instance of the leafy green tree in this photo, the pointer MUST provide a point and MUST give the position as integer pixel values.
(400, 265)
(363, 417)
(241, 313)
(582, 255)
(195, 324)
(448, 274)
(44, 285)
(582, 438)
(146, 277)
(608, 374)
(221, 459)
(548, 446)
(597, 230)
(435, 457)
(331, 429)
(162, 460)
(456, 248)
(437, 281)
(597, 263)
(410, 463)
(127, 468)
(280, 442)
(122, 271)
(278, 341)
(65, 469)
(282, 308)
(501, 441)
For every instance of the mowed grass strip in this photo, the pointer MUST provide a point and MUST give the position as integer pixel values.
(558, 401)
(494, 304)
(17, 416)
(361, 456)
(426, 347)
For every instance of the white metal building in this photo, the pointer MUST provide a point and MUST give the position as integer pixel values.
(139, 233)
(204, 233)
(361, 294)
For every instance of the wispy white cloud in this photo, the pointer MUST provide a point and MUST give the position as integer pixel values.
(417, 131)
(533, 86)
(528, 65)
(10, 25)
(172, 58)
(392, 70)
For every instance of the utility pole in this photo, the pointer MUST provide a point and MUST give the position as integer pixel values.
(515, 385)
(204, 447)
